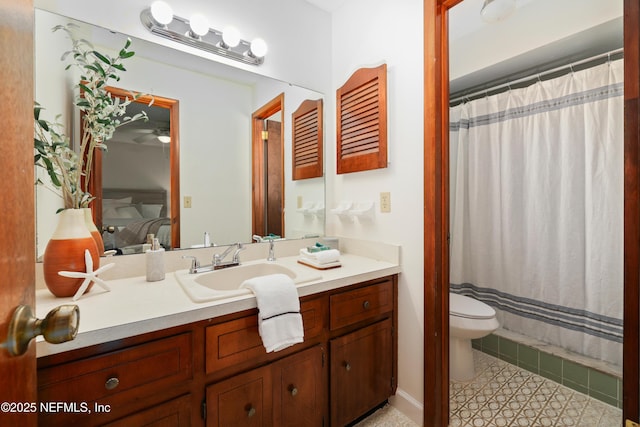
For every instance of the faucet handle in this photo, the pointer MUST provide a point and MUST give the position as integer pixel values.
(236, 254)
(195, 264)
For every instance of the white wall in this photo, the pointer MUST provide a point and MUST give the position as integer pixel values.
(299, 50)
(367, 33)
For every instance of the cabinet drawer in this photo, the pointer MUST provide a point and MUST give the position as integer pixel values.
(239, 341)
(175, 413)
(102, 379)
(350, 307)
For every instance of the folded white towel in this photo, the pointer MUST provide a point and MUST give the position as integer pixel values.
(279, 319)
(321, 257)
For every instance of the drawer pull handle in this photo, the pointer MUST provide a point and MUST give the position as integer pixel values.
(112, 383)
(293, 390)
(251, 411)
(347, 366)
(366, 305)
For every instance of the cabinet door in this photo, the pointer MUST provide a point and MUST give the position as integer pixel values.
(242, 400)
(361, 371)
(299, 389)
(175, 413)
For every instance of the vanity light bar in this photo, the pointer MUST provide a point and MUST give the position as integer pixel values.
(179, 30)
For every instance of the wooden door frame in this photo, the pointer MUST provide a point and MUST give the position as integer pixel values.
(17, 226)
(436, 212)
(95, 184)
(258, 195)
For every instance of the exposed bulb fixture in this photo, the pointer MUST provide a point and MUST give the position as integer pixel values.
(199, 25)
(258, 48)
(497, 10)
(164, 139)
(230, 36)
(195, 32)
(161, 12)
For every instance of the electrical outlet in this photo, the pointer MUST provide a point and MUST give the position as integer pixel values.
(299, 202)
(187, 201)
(385, 202)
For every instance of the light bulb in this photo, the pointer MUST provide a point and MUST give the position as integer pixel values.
(199, 24)
(497, 10)
(258, 47)
(164, 139)
(161, 12)
(231, 36)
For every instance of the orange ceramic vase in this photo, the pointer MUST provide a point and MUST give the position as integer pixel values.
(65, 252)
(88, 220)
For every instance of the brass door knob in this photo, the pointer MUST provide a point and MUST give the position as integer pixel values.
(59, 325)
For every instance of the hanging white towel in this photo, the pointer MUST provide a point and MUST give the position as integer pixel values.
(279, 319)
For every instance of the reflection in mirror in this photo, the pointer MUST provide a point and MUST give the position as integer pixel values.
(137, 191)
(268, 167)
(216, 104)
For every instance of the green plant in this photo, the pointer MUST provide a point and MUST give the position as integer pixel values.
(101, 112)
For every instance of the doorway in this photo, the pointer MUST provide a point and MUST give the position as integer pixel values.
(170, 129)
(268, 169)
(436, 258)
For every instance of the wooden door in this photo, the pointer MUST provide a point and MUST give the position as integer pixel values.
(260, 165)
(436, 215)
(275, 180)
(242, 400)
(631, 343)
(17, 260)
(361, 371)
(298, 390)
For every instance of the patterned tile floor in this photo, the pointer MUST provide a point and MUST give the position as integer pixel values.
(502, 394)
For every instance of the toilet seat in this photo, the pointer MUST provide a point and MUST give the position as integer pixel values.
(469, 308)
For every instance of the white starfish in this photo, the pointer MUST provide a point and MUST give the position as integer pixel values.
(89, 276)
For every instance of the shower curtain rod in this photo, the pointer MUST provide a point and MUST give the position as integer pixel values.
(525, 81)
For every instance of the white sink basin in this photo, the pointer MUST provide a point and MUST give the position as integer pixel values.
(225, 283)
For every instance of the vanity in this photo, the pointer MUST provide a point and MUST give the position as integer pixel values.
(147, 354)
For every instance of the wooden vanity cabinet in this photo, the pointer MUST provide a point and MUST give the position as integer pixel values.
(363, 366)
(289, 392)
(216, 372)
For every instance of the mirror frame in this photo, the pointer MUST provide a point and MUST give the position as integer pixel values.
(95, 183)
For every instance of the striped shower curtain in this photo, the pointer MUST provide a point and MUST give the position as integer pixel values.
(537, 208)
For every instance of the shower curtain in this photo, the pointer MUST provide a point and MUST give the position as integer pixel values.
(536, 208)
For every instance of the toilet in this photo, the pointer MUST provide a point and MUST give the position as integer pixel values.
(468, 319)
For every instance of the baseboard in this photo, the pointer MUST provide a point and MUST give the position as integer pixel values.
(409, 406)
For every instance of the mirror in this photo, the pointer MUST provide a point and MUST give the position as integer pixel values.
(216, 103)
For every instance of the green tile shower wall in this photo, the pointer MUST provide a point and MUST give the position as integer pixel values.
(596, 384)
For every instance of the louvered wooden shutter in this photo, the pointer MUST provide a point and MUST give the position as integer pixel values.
(307, 140)
(362, 121)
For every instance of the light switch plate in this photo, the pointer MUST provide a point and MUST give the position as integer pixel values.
(187, 201)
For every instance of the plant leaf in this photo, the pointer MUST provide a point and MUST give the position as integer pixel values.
(101, 57)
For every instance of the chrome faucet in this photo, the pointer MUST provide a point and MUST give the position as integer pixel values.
(272, 251)
(218, 259)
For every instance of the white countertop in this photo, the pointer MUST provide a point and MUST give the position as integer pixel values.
(135, 306)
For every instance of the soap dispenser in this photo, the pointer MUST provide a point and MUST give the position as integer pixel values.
(155, 262)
